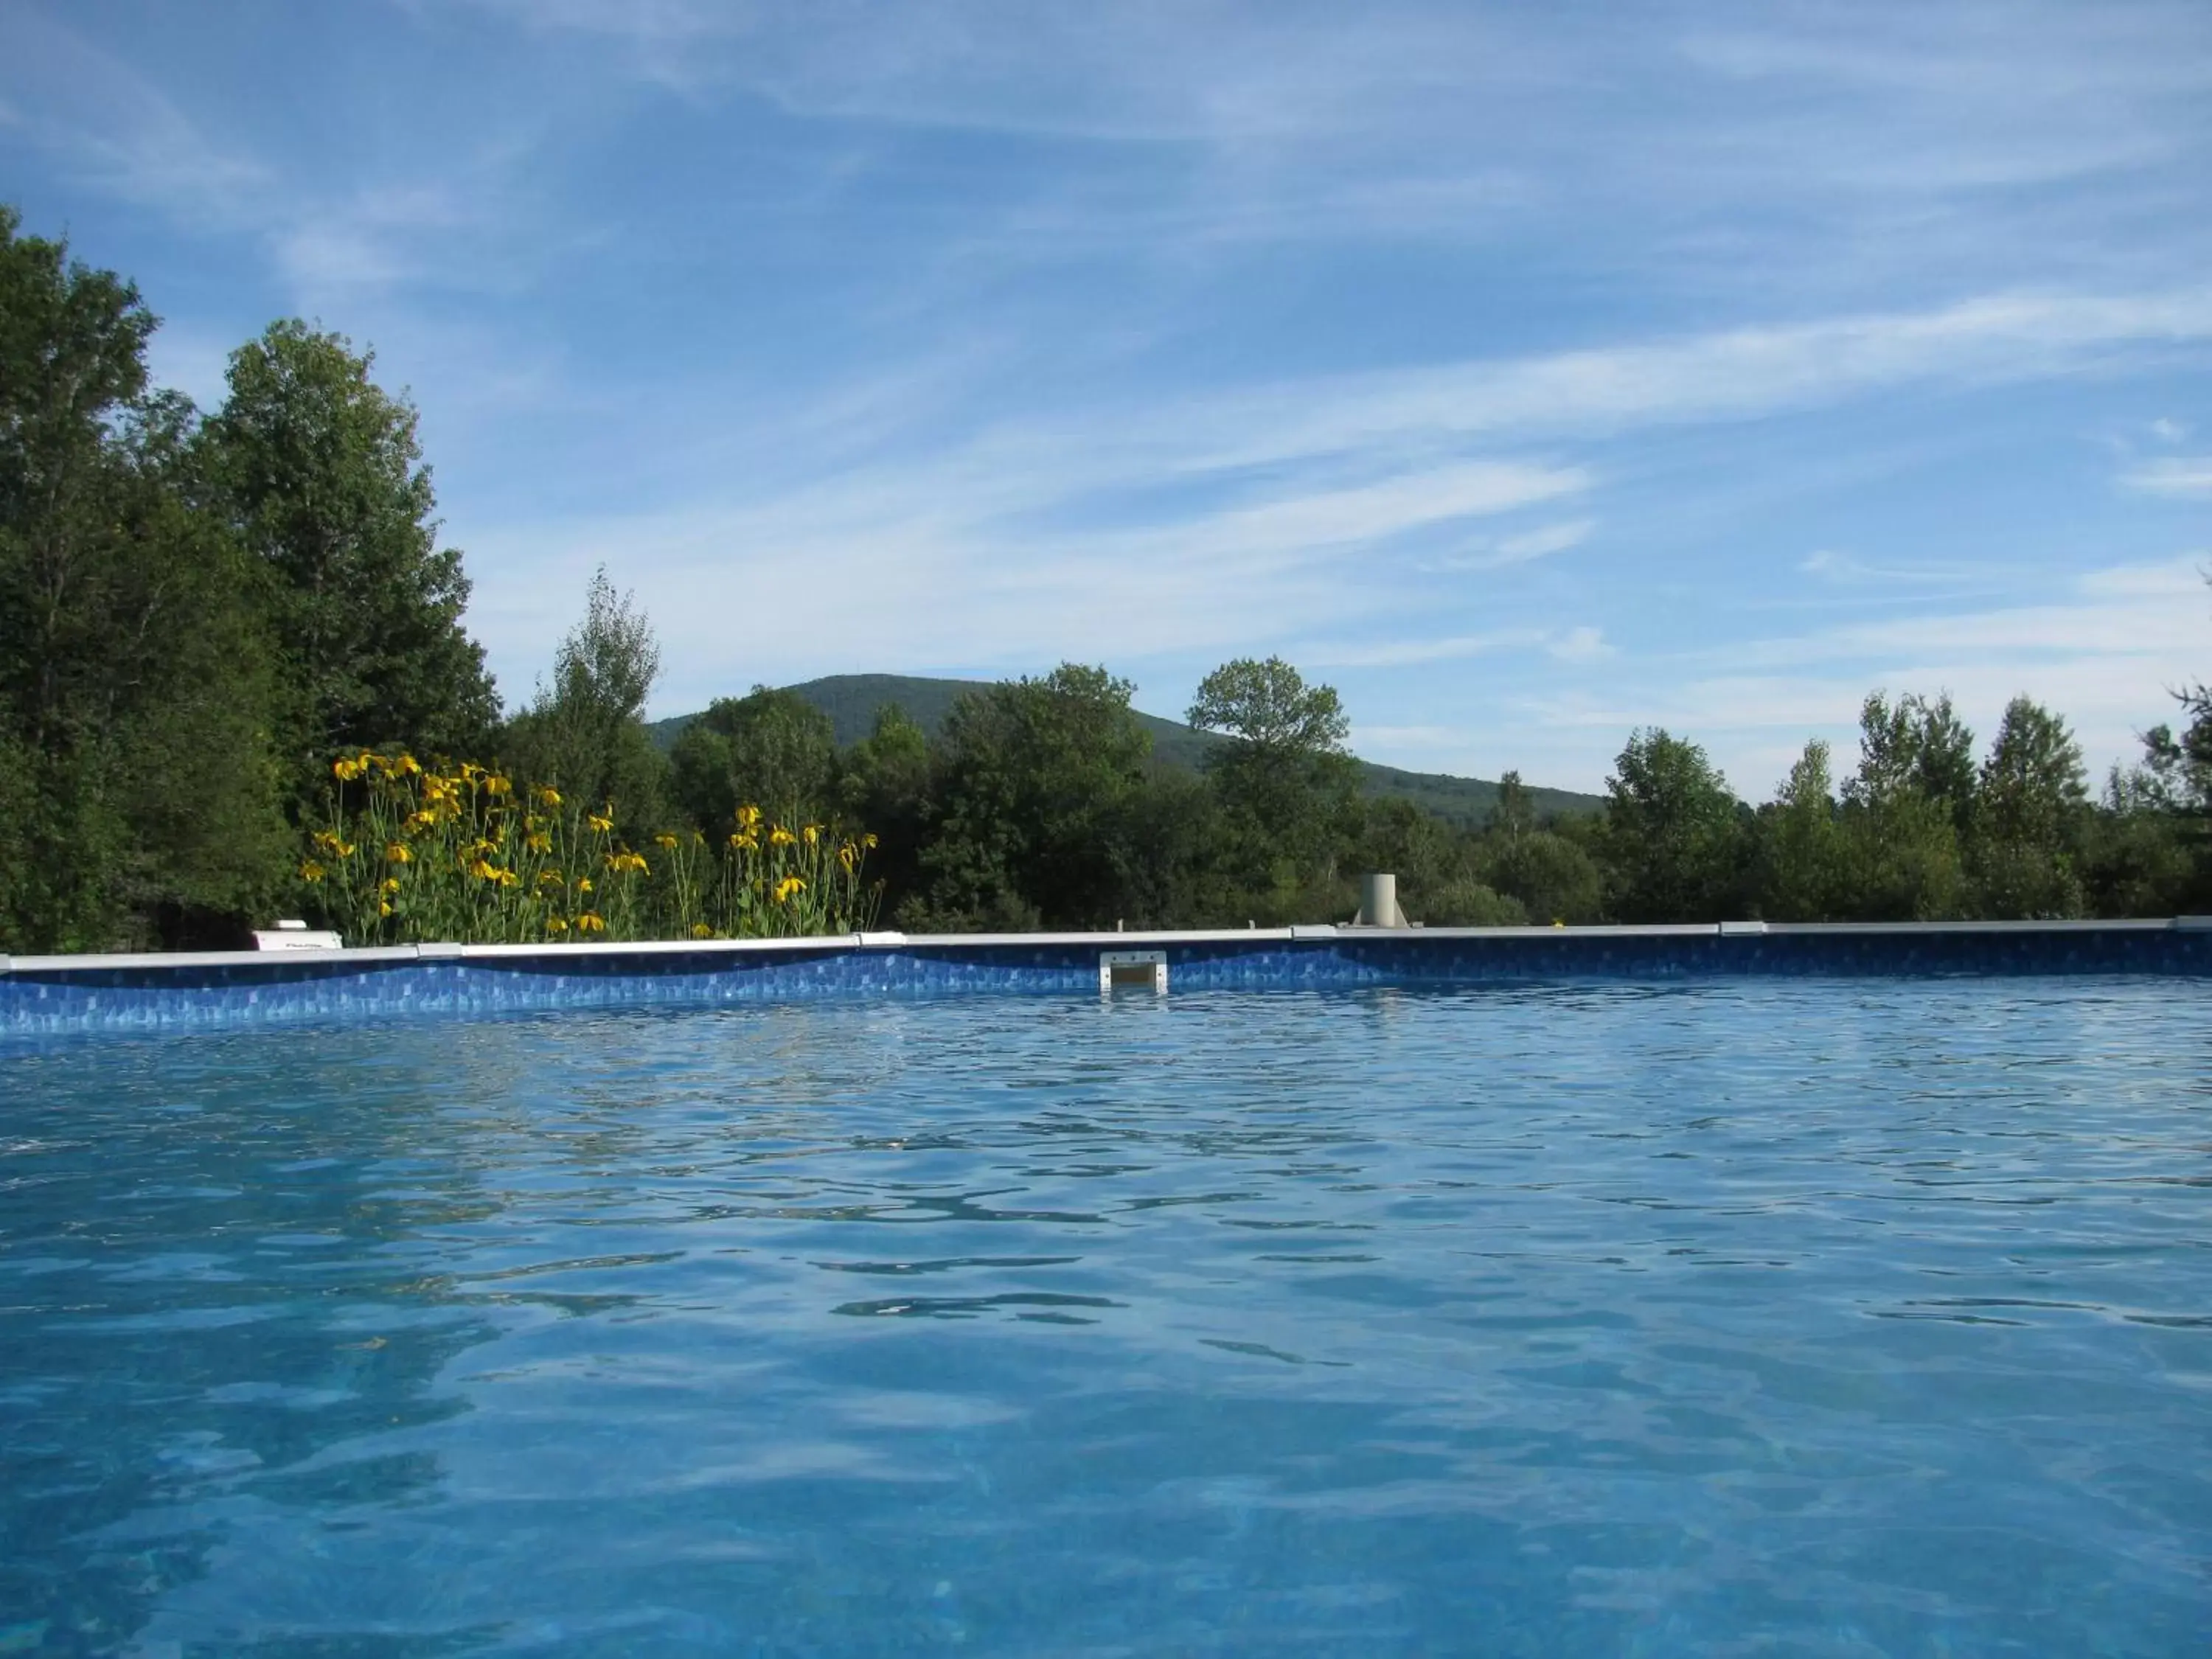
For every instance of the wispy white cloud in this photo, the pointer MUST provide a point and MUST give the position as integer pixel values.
(1580, 645)
(118, 129)
(1485, 553)
(2104, 657)
(2171, 475)
(1844, 570)
(1402, 654)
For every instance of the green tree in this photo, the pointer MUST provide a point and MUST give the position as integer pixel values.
(585, 733)
(885, 787)
(2029, 814)
(1904, 810)
(1671, 833)
(321, 472)
(1041, 782)
(2140, 856)
(1550, 877)
(1802, 844)
(1515, 814)
(137, 801)
(1288, 790)
(768, 749)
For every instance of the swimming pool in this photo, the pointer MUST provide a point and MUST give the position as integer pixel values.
(1798, 1316)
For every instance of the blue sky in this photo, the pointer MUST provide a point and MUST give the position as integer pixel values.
(1527, 372)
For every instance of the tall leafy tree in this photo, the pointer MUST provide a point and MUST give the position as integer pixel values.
(2031, 811)
(321, 470)
(1905, 811)
(1287, 787)
(886, 786)
(585, 733)
(1802, 843)
(1671, 832)
(1550, 876)
(137, 799)
(768, 749)
(1041, 780)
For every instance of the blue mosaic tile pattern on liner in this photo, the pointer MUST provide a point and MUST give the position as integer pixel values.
(259, 994)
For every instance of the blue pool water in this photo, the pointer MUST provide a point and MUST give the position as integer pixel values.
(1803, 1317)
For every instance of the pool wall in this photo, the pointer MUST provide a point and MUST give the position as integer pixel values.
(67, 995)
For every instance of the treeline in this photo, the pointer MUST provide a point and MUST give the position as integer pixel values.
(206, 619)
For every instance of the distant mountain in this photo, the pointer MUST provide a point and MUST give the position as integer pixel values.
(851, 701)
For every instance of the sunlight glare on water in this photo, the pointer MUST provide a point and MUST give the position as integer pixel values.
(1835, 1317)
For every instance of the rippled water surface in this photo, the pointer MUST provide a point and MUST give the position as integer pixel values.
(1820, 1318)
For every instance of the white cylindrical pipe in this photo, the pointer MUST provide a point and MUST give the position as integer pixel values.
(1378, 900)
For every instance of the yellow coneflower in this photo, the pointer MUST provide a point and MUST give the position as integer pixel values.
(591, 922)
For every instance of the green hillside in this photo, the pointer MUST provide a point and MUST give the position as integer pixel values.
(851, 701)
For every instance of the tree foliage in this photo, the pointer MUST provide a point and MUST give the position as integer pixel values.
(585, 733)
(767, 747)
(140, 796)
(320, 472)
(1670, 832)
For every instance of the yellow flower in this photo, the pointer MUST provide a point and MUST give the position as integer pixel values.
(748, 816)
(591, 922)
(538, 842)
(399, 852)
(485, 870)
(549, 878)
(779, 836)
(745, 843)
(787, 887)
(549, 797)
(556, 925)
(310, 871)
(813, 832)
(626, 861)
(470, 771)
(392, 884)
(602, 823)
(583, 883)
(498, 785)
(345, 768)
(384, 909)
(418, 822)
(868, 840)
(667, 843)
(701, 930)
(407, 766)
(847, 857)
